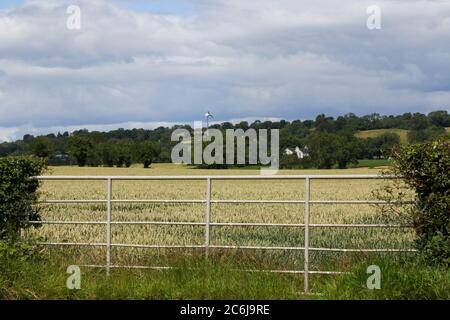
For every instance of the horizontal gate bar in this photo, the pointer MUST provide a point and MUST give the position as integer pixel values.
(227, 201)
(68, 222)
(70, 201)
(225, 224)
(72, 244)
(222, 177)
(222, 247)
(362, 250)
(241, 270)
(119, 201)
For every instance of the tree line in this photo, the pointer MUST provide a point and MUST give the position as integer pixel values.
(329, 141)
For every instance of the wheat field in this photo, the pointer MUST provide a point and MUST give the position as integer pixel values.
(328, 237)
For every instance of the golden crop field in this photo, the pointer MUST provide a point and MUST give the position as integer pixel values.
(327, 237)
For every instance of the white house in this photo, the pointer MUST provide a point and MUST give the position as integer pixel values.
(301, 153)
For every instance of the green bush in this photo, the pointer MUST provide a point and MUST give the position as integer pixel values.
(426, 169)
(19, 251)
(18, 194)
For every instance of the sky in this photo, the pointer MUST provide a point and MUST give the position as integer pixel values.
(136, 63)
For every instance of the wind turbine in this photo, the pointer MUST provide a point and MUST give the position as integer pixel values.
(208, 115)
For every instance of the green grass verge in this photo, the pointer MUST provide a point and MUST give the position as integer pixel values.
(190, 279)
(402, 277)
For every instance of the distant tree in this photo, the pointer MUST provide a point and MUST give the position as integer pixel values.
(266, 125)
(439, 118)
(9, 148)
(419, 121)
(289, 161)
(385, 143)
(94, 158)
(42, 147)
(322, 149)
(346, 150)
(378, 147)
(288, 140)
(80, 147)
(124, 150)
(148, 152)
(227, 125)
(27, 138)
(422, 135)
(294, 131)
(341, 123)
(255, 124)
(107, 153)
(164, 156)
(308, 123)
(417, 136)
(106, 146)
(242, 125)
(324, 123)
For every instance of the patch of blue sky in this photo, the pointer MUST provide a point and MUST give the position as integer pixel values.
(172, 7)
(5, 4)
(169, 7)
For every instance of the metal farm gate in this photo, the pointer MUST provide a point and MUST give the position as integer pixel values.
(207, 223)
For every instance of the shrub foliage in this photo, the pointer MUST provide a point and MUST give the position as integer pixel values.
(426, 169)
(18, 194)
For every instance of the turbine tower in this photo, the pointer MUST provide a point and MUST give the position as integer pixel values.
(208, 115)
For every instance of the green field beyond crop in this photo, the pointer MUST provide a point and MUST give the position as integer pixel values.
(402, 133)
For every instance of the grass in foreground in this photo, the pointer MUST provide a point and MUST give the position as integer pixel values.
(401, 279)
(195, 277)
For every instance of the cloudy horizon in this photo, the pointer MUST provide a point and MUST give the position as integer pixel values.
(150, 63)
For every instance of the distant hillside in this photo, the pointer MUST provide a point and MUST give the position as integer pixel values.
(332, 141)
(402, 133)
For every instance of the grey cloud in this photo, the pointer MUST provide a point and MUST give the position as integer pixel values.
(285, 59)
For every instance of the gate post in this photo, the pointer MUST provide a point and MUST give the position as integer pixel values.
(108, 225)
(307, 218)
(208, 215)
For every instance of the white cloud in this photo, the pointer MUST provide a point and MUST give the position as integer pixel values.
(241, 59)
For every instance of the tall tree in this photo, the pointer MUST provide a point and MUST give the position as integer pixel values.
(107, 153)
(124, 153)
(439, 118)
(42, 147)
(322, 148)
(346, 150)
(148, 152)
(80, 147)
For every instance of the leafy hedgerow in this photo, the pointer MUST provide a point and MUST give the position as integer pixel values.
(18, 194)
(425, 168)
